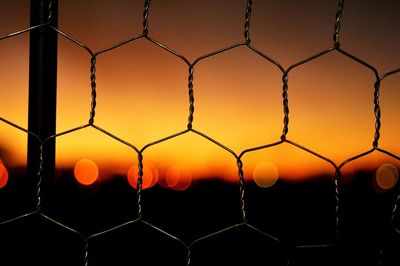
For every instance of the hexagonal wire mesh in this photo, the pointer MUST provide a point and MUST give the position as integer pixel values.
(92, 248)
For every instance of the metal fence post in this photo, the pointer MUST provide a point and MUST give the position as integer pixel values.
(42, 86)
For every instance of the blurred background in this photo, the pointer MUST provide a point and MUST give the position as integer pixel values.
(191, 184)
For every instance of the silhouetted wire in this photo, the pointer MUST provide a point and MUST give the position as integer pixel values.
(190, 129)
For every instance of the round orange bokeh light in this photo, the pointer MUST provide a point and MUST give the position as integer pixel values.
(178, 178)
(86, 172)
(386, 177)
(265, 174)
(3, 175)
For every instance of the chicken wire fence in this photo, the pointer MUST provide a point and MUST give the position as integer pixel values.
(246, 236)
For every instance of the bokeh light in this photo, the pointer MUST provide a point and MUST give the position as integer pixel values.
(86, 172)
(3, 175)
(386, 177)
(178, 178)
(149, 179)
(265, 174)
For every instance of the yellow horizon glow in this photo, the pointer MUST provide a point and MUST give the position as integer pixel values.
(142, 97)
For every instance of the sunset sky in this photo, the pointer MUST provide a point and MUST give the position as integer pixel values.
(142, 90)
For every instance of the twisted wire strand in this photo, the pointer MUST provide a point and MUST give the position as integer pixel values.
(247, 21)
(49, 10)
(188, 257)
(146, 17)
(86, 254)
(93, 90)
(285, 101)
(242, 190)
(337, 24)
(395, 211)
(191, 98)
(139, 185)
(377, 112)
(338, 175)
(39, 179)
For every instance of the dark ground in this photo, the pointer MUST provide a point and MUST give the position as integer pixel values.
(279, 219)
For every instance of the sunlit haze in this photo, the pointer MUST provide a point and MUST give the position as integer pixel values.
(142, 90)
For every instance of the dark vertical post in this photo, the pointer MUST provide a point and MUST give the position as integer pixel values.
(42, 86)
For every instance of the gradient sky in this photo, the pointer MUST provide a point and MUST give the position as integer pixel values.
(142, 89)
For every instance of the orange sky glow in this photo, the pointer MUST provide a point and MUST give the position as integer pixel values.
(142, 90)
